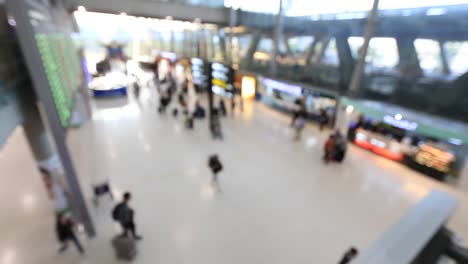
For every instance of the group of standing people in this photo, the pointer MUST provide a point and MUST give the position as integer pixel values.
(335, 145)
(300, 116)
(335, 148)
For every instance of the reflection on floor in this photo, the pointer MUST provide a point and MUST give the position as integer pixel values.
(280, 203)
(26, 218)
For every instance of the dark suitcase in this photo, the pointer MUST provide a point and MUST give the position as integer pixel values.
(125, 247)
(100, 190)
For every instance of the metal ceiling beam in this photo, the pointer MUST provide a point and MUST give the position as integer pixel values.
(148, 8)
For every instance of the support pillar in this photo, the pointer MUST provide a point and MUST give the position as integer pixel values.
(463, 177)
(276, 39)
(355, 84)
(341, 117)
(20, 11)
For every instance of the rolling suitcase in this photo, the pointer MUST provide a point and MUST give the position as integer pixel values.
(125, 247)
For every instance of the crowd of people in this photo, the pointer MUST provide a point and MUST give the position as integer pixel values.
(181, 96)
(336, 144)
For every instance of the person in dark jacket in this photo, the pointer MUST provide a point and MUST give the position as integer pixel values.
(349, 255)
(298, 108)
(222, 107)
(123, 214)
(216, 166)
(65, 233)
(323, 119)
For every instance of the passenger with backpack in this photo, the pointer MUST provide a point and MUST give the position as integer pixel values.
(215, 166)
(123, 214)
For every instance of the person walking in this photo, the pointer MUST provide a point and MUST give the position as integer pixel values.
(349, 256)
(299, 124)
(323, 119)
(65, 232)
(222, 107)
(123, 214)
(216, 166)
(296, 110)
(233, 103)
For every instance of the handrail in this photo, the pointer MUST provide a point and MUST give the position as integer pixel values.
(407, 238)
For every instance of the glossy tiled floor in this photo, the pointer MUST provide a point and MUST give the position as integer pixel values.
(279, 203)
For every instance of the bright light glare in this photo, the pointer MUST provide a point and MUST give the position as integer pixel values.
(259, 6)
(398, 116)
(81, 9)
(349, 109)
(317, 7)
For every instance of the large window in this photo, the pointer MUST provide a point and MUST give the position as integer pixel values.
(299, 46)
(265, 45)
(457, 56)
(264, 50)
(330, 55)
(381, 55)
(429, 55)
(240, 47)
(318, 47)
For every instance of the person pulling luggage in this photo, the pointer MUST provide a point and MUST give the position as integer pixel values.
(123, 214)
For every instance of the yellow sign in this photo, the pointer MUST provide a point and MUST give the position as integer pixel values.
(220, 83)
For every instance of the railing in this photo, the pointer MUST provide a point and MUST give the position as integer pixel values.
(419, 237)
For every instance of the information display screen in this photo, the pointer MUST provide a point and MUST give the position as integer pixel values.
(60, 60)
(222, 78)
(200, 72)
(52, 27)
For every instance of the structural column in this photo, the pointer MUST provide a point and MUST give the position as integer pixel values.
(33, 125)
(276, 39)
(355, 84)
(233, 13)
(342, 118)
(463, 182)
(20, 11)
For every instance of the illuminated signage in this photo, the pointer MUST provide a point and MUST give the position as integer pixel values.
(400, 123)
(200, 72)
(222, 78)
(63, 70)
(248, 87)
(283, 87)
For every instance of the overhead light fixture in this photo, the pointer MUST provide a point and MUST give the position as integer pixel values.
(349, 109)
(398, 117)
(81, 8)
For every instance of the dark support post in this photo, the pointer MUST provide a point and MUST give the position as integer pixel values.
(232, 23)
(355, 84)
(19, 10)
(276, 39)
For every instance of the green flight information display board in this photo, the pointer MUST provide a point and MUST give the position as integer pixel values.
(63, 70)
